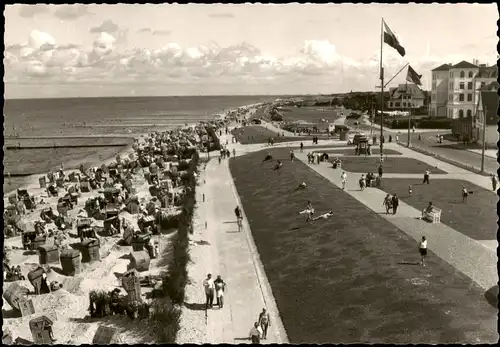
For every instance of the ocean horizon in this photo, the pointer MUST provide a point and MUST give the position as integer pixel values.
(107, 117)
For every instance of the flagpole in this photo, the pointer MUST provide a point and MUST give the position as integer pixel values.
(409, 110)
(381, 91)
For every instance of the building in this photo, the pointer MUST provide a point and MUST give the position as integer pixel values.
(487, 108)
(405, 97)
(472, 127)
(455, 88)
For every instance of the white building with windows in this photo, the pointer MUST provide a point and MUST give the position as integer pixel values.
(406, 96)
(455, 88)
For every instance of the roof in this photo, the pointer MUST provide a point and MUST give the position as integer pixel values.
(493, 86)
(444, 67)
(489, 100)
(413, 90)
(488, 72)
(464, 65)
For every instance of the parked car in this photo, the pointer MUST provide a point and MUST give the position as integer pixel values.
(353, 139)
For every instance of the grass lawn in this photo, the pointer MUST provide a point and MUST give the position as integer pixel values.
(400, 165)
(310, 114)
(259, 134)
(350, 151)
(476, 219)
(347, 279)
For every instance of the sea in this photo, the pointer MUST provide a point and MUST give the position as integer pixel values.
(76, 119)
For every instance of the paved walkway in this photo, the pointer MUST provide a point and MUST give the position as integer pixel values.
(475, 259)
(235, 258)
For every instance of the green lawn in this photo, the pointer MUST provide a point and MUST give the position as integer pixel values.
(310, 114)
(346, 279)
(400, 165)
(350, 151)
(476, 219)
(259, 134)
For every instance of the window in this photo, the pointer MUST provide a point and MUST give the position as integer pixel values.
(433, 112)
(469, 97)
(462, 85)
(471, 74)
(461, 97)
(450, 97)
(398, 104)
(450, 113)
(469, 113)
(433, 76)
(460, 113)
(469, 85)
(462, 74)
(451, 85)
(483, 84)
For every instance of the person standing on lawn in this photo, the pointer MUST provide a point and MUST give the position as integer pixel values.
(410, 190)
(494, 182)
(380, 170)
(395, 203)
(255, 333)
(301, 147)
(426, 176)
(343, 177)
(292, 156)
(208, 283)
(465, 194)
(220, 286)
(264, 322)
(423, 250)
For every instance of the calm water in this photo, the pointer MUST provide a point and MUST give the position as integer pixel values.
(98, 116)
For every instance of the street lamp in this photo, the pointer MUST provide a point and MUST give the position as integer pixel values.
(484, 111)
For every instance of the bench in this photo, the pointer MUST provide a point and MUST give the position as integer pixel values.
(434, 216)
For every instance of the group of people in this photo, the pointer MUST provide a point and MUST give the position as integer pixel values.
(309, 211)
(259, 329)
(214, 288)
(391, 202)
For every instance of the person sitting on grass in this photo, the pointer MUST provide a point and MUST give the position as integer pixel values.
(268, 157)
(301, 186)
(278, 165)
(428, 209)
(309, 211)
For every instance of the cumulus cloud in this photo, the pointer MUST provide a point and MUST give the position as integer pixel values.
(30, 11)
(222, 15)
(71, 12)
(106, 61)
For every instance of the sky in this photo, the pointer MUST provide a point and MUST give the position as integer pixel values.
(197, 49)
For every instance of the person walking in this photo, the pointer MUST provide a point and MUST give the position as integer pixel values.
(426, 176)
(264, 322)
(301, 147)
(234, 152)
(343, 177)
(423, 250)
(494, 182)
(292, 156)
(255, 333)
(208, 283)
(362, 182)
(220, 287)
(410, 190)
(380, 170)
(395, 203)
(387, 203)
(465, 194)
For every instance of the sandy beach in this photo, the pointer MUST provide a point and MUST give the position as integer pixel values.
(68, 306)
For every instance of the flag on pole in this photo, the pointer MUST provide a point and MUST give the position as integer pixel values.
(392, 40)
(413, 77)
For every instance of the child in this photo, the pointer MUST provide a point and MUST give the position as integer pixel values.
(423, 250)
(410, 190)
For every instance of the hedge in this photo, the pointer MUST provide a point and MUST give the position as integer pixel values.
(422, 123)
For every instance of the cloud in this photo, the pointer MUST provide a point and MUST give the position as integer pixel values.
(107, 26)
(221, 15)
(316, 63)
(30, 11)
(161, 32)
(72, 12)
(144, 30)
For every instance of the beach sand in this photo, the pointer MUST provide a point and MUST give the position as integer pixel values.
(69, 306)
